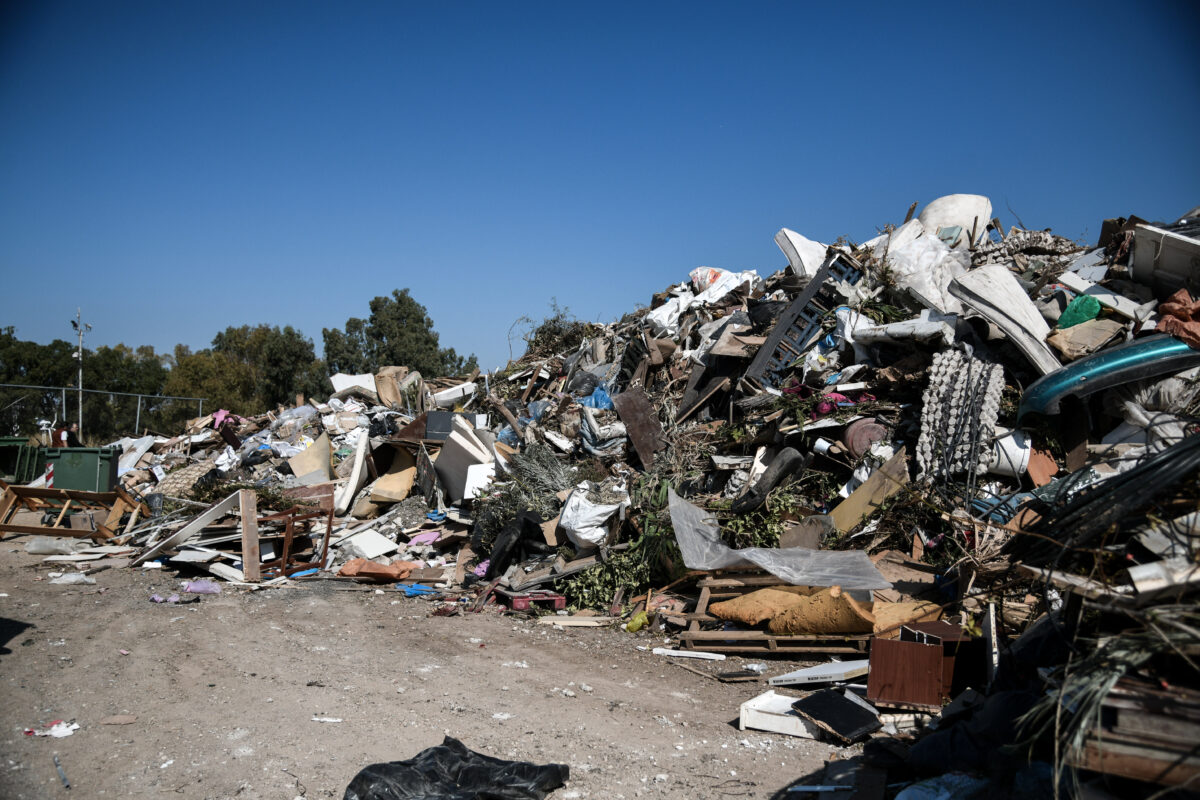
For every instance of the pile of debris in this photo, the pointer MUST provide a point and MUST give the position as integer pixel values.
(962, 457)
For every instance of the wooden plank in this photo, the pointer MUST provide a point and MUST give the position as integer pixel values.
(40, 530)
(1159, 727)
(537, 371)
(465, 554)
(1092, 590)
(635, 410)
(61, 514)
(577, 622)
(1150, 764)
(105, 499)
(715, 386)
(251, 560)
(771, 646)
(193, 528)
(6, 504)
(874, 492)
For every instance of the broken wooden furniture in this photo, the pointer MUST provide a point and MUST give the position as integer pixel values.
(285, 525)
(61, 503)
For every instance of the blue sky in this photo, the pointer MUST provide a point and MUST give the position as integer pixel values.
(175, 168)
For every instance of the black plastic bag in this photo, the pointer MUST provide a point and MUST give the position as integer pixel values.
(450, 771)
(520, 540)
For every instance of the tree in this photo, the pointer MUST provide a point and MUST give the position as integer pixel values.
(118, 369)
(30, 363)
(398, 332)
(282, 362)
(217, 377)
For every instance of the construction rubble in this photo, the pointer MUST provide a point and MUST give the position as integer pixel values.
(954, 468)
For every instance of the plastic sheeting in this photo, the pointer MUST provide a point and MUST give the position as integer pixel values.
(700, 542)
(450, 771)
(664, 320)
(600, 440)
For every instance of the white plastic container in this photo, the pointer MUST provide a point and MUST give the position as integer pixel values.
(1012, 453)
(773, 712)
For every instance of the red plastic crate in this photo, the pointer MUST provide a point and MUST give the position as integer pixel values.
(523, 601)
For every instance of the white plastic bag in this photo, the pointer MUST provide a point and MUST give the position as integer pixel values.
(73, 579)
(585, 522)
(53, 546)
(925, 266)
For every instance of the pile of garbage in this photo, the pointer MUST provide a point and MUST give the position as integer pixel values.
(963, 459)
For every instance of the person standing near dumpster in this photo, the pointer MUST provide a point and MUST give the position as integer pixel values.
(67, 436)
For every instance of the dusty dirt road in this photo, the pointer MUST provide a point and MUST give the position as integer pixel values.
(224, 692)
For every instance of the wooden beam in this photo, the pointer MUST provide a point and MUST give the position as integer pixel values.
(248, 503)
(58, 520)
(42, 530)
(874, 492)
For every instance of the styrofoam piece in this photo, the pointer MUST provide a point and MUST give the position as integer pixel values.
(662, 651)
(925, 329)
(969, 211)
(773, 712)
(458, 462)
(478, 478)
(341, 382)
(345, 494)
(823, 673)
(447, 398)
(803, 254)
(368, 544)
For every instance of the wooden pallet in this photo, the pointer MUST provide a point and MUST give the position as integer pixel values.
(727, 584)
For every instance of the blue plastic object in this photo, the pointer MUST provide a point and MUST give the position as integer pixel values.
(598, 399)
(1150, 357)
(415, 589)
(436, 516)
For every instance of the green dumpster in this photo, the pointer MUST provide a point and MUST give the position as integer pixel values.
(20, 461)
(87, 469)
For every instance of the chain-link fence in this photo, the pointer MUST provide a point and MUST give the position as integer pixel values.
(28, 410)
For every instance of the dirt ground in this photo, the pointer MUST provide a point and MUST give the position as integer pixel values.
(225, 692)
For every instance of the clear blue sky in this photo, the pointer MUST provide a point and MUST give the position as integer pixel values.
(178, 167)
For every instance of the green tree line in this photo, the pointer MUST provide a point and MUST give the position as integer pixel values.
(247, 369)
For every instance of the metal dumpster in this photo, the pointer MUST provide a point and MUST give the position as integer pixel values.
(87, 469)
(20, 460)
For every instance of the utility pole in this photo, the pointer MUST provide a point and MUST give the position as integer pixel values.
(80, 326)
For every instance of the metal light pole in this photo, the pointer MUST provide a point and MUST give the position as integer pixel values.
(80, 326)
